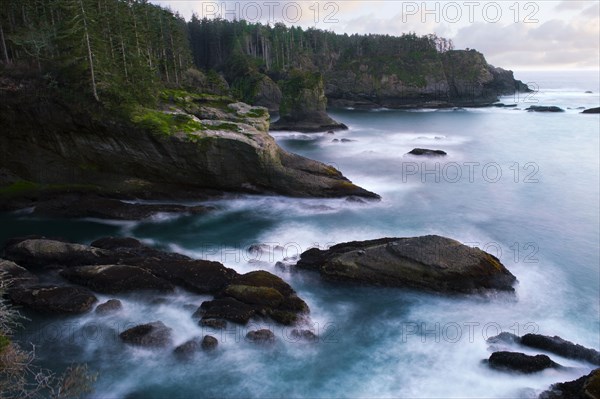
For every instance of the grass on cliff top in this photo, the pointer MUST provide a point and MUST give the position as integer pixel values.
(165, 123)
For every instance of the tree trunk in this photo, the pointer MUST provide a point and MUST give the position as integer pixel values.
(4, 50)
(89, 51)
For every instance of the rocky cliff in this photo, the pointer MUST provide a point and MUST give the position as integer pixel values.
(194, 143)
(425, 79)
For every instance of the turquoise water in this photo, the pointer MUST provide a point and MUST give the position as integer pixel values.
(523, 186)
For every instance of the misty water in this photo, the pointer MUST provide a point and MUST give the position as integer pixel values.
(523, 186)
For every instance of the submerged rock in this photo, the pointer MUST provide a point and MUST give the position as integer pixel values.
(110, 306)
(520, 362)
(209, 342)
(151, 335)
(304, 335)
(187, 349)
(542, 108)
(54, 299)
(430, 262)
(426, 152)
(586, 387)
(263, 336)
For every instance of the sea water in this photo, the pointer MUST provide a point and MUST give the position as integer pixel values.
(523, 186)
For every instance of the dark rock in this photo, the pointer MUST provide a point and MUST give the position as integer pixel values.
(541, 108)
(18, 276)
(586, 387)
(504, 337)
(589, 92)
(304, 335)
(355, 200)
(187, 349)
(54, 299)
(335, 140)
(209, 342)
(227, 308)
(255, 295)
(430, 262)
(110, 306)
(92, 206)
(262, 278)
(153, 335)
(43, 252)
(347, 141)
(113, 279)
(520, 362)
(261, 336)
(268, 93)
(591, 111)
(426, 152)
(217, 324)
(116, 243)
(561, 347)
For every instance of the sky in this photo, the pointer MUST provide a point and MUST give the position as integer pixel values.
(517, 35)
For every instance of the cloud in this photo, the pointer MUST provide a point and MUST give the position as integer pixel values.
(571, 5)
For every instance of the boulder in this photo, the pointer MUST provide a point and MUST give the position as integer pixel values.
(304, 335)
(209, 342)
(561, 347)
(591, 111)
(542, 108)
(18, 276)
(586, 387)
(520, 362)
(426, 152)
(217, 324)
(188, 348)
(113, 279)
(263, 336)
(255, 295)
(44, 252)
(110, 306)
(431, 262)
(151, 335)
(227, 308)
(54, 299)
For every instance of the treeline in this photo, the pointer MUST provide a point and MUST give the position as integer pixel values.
(218, 42)
(116, 50)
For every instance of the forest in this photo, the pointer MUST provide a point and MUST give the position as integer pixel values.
(120, 51)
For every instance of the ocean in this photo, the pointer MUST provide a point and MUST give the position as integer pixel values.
(521, 185)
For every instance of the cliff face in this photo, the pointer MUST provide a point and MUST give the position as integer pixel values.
(453, 78)
(215, 145)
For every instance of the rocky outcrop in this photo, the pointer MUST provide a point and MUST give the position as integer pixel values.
(426, 152)
(196, 145)
(520, 362)
(431, 262)
(561, 347)
(431, 80)
(94, 206)
(544, 108)
(304, 105)
(268, 94)
(151, 335)
(591, 111)
(586, 387)
(54, 299)
(18, 276)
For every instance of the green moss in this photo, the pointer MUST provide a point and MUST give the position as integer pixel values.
(17, 188)
(257, 113)
(4, 342)
(165, 123)
(224, 126)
